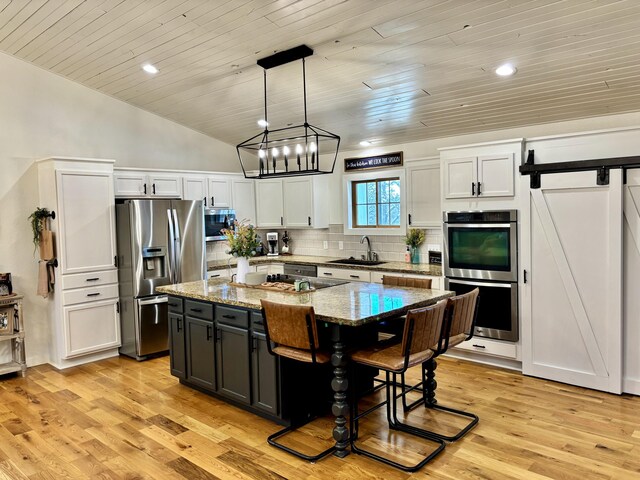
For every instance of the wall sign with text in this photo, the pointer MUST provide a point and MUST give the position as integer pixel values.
(377, 161)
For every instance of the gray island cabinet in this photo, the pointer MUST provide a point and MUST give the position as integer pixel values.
(222, 350)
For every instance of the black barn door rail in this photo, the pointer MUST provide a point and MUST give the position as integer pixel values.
(601, 166)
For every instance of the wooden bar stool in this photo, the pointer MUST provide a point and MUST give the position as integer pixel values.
(393, 326)
(294, 333)
(406, 282)
(421, 335)
(462, 311)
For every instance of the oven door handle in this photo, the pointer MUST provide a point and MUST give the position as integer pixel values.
(483, 284)
(481, 225)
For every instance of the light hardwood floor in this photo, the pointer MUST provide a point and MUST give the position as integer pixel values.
(120, 419)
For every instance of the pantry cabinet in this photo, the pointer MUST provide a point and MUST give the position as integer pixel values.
(479, 176)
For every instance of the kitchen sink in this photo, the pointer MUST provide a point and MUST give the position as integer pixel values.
(354, 261)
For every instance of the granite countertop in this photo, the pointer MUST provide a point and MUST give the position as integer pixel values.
(398, 267)
(351, 304)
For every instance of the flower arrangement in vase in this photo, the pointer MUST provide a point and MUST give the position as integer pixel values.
(414, 238)
(242, 240)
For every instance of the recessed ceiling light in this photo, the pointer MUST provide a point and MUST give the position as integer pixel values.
(505, 70)
(263, 123)
(147, 67)
(365, 143)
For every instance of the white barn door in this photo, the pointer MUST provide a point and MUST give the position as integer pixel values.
(631, 371)
(572, 302)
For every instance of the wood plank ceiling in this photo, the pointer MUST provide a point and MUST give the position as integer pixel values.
(388, 71)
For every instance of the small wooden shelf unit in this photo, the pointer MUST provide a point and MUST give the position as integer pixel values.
(18, 363)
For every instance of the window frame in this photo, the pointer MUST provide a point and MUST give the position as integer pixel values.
(354, 203)
(349, 219)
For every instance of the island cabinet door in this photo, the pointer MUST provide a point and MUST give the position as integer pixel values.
(200, 352)
(176, 346)
(264, 369)
(232, 363)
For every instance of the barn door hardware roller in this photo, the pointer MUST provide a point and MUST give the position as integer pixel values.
(600, 166)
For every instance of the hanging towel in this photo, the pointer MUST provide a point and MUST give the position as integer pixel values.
(46, 244)
(46, 272)
(43, 279)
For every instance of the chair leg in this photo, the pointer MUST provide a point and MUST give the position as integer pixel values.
(430, 401)
(271, 439)
(391, 418)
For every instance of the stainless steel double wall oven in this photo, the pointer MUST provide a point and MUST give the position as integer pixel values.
(480, 250)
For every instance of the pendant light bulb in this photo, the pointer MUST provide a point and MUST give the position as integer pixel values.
(274, 152)
(298, 149)
(261, 153)
(285, 150)
(312, 147)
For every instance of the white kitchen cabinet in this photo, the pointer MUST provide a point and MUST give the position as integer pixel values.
(350, 274)
(243, 194)
(300, 202)
(269, 204)
(487, 346)
(423, 196)
(84, 313)
(481, 176)
(132, 184)
(195, 188)
(219, 194)
(271, 268)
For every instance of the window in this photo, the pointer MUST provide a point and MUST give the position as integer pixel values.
(376, 203)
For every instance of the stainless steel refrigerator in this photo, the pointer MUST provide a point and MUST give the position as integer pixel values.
(160, 242)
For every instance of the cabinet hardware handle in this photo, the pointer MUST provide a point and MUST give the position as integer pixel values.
(309, 221)
(145, 188)
(218, 335)
(212, 202)
(208, 332)
(117, 307)
(178, 327)
(115, 260)
(214, 276)
(153, 188)
(281, 220)
(93, 294)
(95, 279)
(525, 276)
(205, 201)
(479, 346)
(198, 310)
(409, 219)
(228, 316)
(174, 305)
(328, 273)
(254, 344)
(354, 276)
(479, 192)
(473, 189)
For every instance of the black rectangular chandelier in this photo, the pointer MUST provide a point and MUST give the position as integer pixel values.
(289, 151)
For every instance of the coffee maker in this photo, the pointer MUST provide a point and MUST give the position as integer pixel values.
(272, 241)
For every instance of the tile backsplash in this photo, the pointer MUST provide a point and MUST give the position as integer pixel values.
(311, 242)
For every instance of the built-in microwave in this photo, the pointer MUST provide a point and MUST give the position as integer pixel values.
(215, 220)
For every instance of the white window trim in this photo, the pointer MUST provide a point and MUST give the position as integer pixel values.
(374, 175)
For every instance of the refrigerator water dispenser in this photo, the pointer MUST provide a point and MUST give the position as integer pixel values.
(154, 262)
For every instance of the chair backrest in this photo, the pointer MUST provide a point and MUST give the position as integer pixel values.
(291, 325)
(406, 282)
(423, 328)
(462, 315)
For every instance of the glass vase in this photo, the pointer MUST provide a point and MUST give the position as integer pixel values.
(415, 254)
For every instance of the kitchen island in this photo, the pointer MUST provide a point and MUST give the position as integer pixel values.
(216, 320)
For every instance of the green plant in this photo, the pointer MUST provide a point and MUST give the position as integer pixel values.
(37, 220)
(414, 237)
(242, 239)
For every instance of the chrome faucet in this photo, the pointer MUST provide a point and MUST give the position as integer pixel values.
(369, 252)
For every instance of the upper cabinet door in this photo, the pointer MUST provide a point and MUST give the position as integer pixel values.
(423, 196)
(298, 202)
(460, 177)
(219, 192)
(165, 186)
(244, 199)
(269, 200)
(130, 185)
(495, 176)
(87, 221)
(195, 188)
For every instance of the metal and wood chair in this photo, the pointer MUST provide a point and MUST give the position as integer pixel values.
(462, 311)
(393, 326)
(420, 341)
(294, 333)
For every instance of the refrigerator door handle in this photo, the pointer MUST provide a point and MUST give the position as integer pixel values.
(177, 247)
(172, 249)
(154, 300)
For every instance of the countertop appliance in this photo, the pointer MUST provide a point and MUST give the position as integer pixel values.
(480, 250)
(272, 242)
(215, 220)
(160, 242)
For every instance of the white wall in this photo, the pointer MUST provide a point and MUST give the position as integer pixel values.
(42, 114)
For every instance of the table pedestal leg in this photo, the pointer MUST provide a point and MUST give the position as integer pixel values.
(339, 385)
